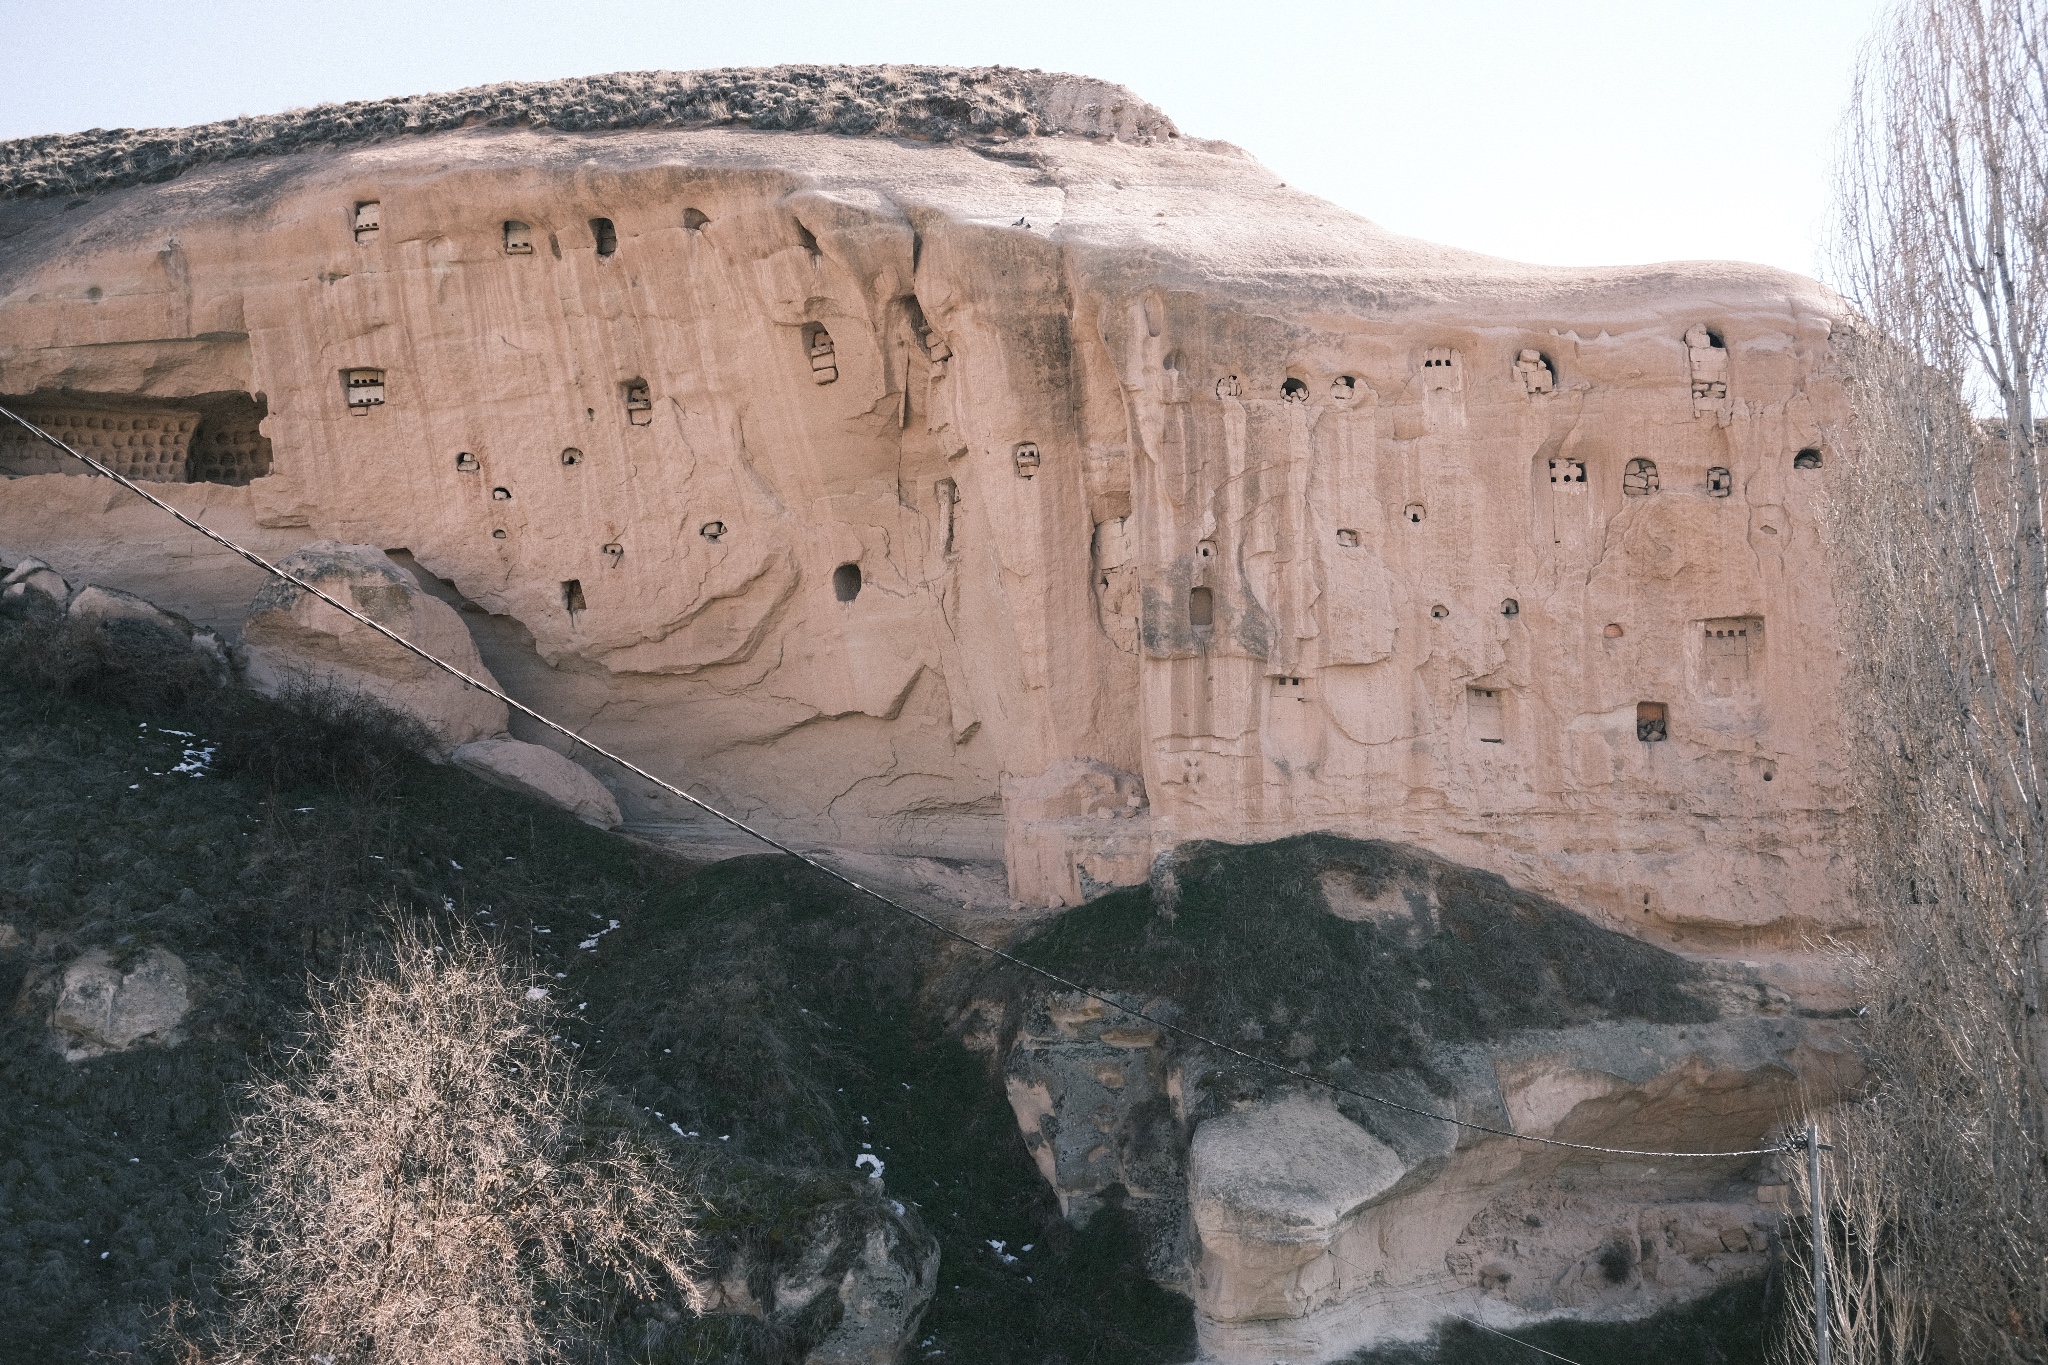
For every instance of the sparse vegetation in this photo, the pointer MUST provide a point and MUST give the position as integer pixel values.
(1940, 1184)
(429, 1177)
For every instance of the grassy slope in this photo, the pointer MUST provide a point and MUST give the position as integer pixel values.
(255, 888)
(751, 1000)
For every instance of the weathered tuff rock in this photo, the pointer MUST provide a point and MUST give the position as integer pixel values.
(537, 771)
(105, 1007)
(34, 588)
(294, 640)
(870, 1276)
(1063, 497)
(1306, 1225)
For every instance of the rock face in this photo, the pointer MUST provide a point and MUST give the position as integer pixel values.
(105, 1007)
(1064, 496)
(293, 639)
(542, 773)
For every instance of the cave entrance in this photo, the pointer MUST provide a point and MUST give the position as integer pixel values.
(208, 438)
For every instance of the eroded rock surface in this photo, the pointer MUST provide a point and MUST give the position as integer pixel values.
(541, 772)
(107, 1006)
(1024, 479)
(293, 640)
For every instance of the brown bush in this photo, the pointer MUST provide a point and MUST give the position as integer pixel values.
(429, 1179)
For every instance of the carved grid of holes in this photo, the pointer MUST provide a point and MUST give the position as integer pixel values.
(136, 446)
(228, 452)
(1570, 473)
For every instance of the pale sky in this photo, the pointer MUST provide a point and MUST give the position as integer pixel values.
(1568, 132)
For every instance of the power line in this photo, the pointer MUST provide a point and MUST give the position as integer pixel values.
(989, 950)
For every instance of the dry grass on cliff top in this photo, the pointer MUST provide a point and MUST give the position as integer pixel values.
(927, 103)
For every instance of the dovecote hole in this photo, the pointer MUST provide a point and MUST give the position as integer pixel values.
(1201, 608)
(1806, 459)
(1612, 630)
(501, 495)
(518, 238)
(1227, 386)
(572, 595)
(1025, 457)
(694, 220)
(369, 221)
(614, 552)
(1510, 607)
(1414, 512)
(1720, 482)
(1568, 472)
(1439, 612)
(818, 347)
(1205, 549)
(1651, 722)
(1294, 391)
(1639, 478)
(571, 455)
(605, 235)
(466, 463)
(639, 402)
(1536, 373)
(846, 582)
(498, 534)
(363, 388)
(711, 530)
(1347, 539)
(1343, 389)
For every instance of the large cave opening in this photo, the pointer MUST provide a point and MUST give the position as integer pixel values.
(206, 438)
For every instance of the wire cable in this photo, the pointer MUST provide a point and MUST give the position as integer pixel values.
(937, 926)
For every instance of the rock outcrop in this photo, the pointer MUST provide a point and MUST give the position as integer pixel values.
(105, 1005)
(540, 772)
(293, 640)
(1308, 1223)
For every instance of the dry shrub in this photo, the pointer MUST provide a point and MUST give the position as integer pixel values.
(320, 734)
(143, 665)
(430, 1179)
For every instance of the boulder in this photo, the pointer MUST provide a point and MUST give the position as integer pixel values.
(95, 603)
(33, 588)
(105, 1007)
(294, 640)
(538, 771)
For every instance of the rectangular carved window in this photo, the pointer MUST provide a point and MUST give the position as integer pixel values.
(824, 359)
(365, 389)
(369, 220)
(518, 238)
(1731, 653)
(639, 404)
(1483, 714)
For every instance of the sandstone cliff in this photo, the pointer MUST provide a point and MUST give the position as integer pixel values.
(1067, 496)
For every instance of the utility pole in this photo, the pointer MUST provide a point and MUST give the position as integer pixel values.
(1817, 1207)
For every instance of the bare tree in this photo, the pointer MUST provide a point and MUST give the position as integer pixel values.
(1937, 527)
(429, 1179)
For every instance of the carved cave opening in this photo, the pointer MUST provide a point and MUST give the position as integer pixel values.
(846, 582)
(572, 595)
(518, 238)
(1651, 722)
(605, 235)
(1806, 459)
(694, 220)
(207, 438)
(1201, 608)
